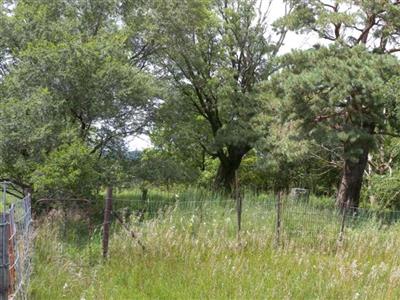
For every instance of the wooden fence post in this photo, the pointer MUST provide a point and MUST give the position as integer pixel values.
(143, 203)
(238, 204)
(343, 224)
(278, 219)
(107, 221)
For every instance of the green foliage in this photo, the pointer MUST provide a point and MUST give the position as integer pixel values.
(369, 22)
(207, 176)
(341, 96)
(91, 81)
(84, 70)
(213, 54)
(339, 91)
(162, 168)
(368, 80)
(71, 170)
(384, 190)
(28, 132)
(250, 175)
(69, 75)
(285, 158)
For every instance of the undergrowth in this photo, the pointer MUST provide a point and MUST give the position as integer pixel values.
(194, 252)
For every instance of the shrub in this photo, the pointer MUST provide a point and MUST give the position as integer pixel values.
(71, 170)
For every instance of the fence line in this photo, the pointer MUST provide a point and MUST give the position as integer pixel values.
(286, 218)
(284, 221)
(15, 246)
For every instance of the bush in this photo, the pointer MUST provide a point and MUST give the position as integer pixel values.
(71, 171)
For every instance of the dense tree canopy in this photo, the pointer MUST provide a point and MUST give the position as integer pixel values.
(69, 72)
(373, 24)
(344, 95)
(213, 54)
(207, 81)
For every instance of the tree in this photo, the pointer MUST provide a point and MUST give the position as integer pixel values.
(373, 24)
(286, 159)
(162, 168)
(69, 74)
(345, 95)
(212, 53)
(29, 130)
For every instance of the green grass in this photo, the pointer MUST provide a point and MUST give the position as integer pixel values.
(193, 252)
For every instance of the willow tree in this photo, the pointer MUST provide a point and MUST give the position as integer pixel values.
(69, 73)
(212, 54)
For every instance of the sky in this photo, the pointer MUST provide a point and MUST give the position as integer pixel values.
(292, 41)
(139, 142)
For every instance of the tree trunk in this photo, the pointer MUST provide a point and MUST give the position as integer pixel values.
(229, 163)
(226, 176)
(351, 182)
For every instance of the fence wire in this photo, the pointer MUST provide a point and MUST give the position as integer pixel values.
(15, 245)
(298, 220)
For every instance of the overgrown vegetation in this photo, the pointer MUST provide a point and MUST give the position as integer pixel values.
(225, 104)
(192, 252)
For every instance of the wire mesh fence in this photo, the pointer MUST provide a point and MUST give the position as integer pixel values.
(289, 222)
(15, 245)
(295, 221)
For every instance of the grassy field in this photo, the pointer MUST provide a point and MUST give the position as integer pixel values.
(192, 251)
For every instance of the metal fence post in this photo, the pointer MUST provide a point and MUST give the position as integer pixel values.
(107, 221)
(15, 246)
(4, 280)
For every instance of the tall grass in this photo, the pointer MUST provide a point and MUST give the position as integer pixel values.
(194, 252)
